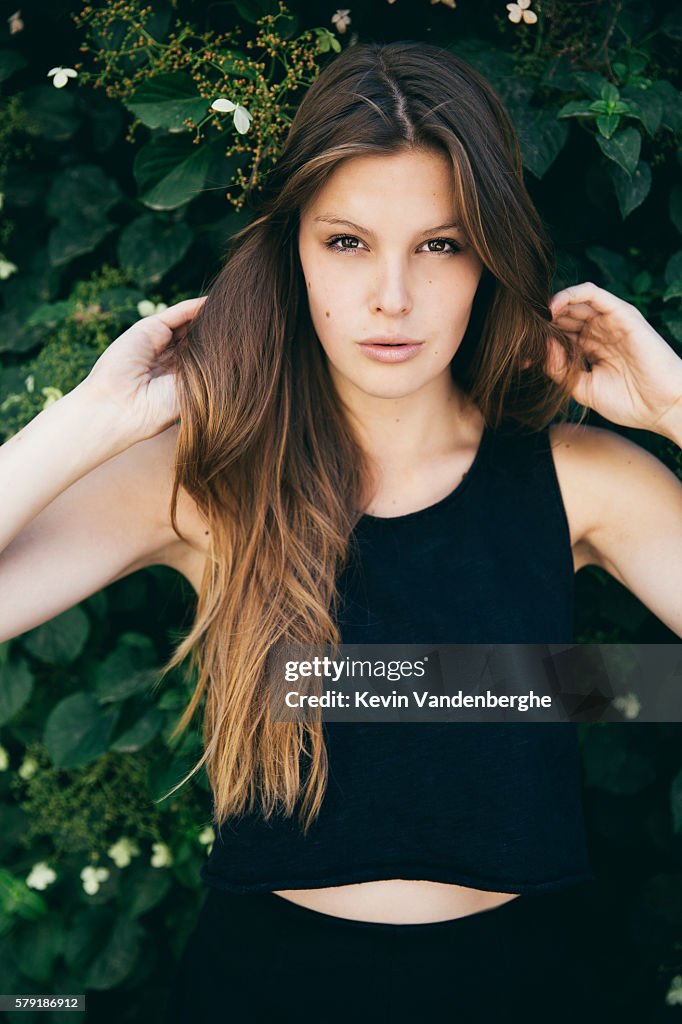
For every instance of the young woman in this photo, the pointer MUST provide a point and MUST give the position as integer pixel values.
(352, 439)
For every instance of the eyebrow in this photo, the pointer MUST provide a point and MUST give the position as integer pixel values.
(330, 218)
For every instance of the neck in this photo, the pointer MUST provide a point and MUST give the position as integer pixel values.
(400, 434)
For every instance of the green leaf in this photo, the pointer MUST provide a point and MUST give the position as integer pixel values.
(642, 283)
(675, 206)
(576, 108)
(166, 100)
(16, 687)
(615, 267)
(78, 730)
(129, 684)
(591, 82)
(80, 198)
(673, 291)
(252, 10)
(648, 105)
(164, 775)
(17, 899)
(11, 61)
(673, 321)
(631, 189)
(170, 171)
(609, 92)
(607, 125)
(623, 148)
(541, 137)
(34, 951)
(127, 670)
(118, 957)
(671, 25)
(671, 100)
(51, 314)
(150, 246)
(673, 268)
(51, 113)
(86, 931)
(76, 237)
(140, 734)
(612, 766)
(84, 187)
(145, 888)
(61, 640)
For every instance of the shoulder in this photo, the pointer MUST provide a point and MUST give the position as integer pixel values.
(607, 483)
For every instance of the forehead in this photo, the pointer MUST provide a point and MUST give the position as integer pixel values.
(419, 182)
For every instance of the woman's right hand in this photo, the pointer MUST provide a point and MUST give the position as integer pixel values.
(132, 378)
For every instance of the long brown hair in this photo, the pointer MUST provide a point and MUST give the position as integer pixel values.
(264, 447)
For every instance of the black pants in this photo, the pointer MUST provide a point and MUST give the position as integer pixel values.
(262, 958)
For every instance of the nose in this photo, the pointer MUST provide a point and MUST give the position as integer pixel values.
(391, 292)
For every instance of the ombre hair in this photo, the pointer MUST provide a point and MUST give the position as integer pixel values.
(264, 445)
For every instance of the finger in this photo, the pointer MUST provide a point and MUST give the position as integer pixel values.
(577, 311)
(178, 314)
(588, 292)
(569, 324)
(159, 327)
(555, 360)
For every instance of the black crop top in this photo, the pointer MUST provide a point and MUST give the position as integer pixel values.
(495, 806)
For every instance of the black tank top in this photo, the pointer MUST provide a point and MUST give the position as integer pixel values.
(495, 806)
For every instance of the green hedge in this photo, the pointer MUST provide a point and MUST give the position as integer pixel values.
(119, 190)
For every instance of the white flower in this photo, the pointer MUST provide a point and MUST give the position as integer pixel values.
(241, 117)
(15, 23)
(6, 268)
(446, 3)
(41, 876)
(51, 395)
(30, 383)
(61, 76)
(122, 851)
(519, 11)
(674, 994)
(146, 307)
(628, 704)
(27, 768)
(92, 877)
(4, 760)
(161, 858)
(341, 20)
(206, 838)
(207, 835)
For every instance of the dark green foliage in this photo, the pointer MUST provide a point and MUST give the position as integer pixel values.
(124, 186)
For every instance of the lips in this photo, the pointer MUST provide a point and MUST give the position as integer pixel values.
(390, 342)
(391, 350)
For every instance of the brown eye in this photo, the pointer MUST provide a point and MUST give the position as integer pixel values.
(335, 246)
(442, 242)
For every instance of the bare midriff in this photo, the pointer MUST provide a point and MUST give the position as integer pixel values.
(397, 900)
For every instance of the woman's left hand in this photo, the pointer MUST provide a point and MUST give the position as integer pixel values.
(635, 377)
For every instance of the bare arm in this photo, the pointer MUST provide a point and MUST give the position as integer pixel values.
(633, 516)
(86, 484)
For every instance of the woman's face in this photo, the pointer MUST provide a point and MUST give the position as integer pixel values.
(383, 257)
